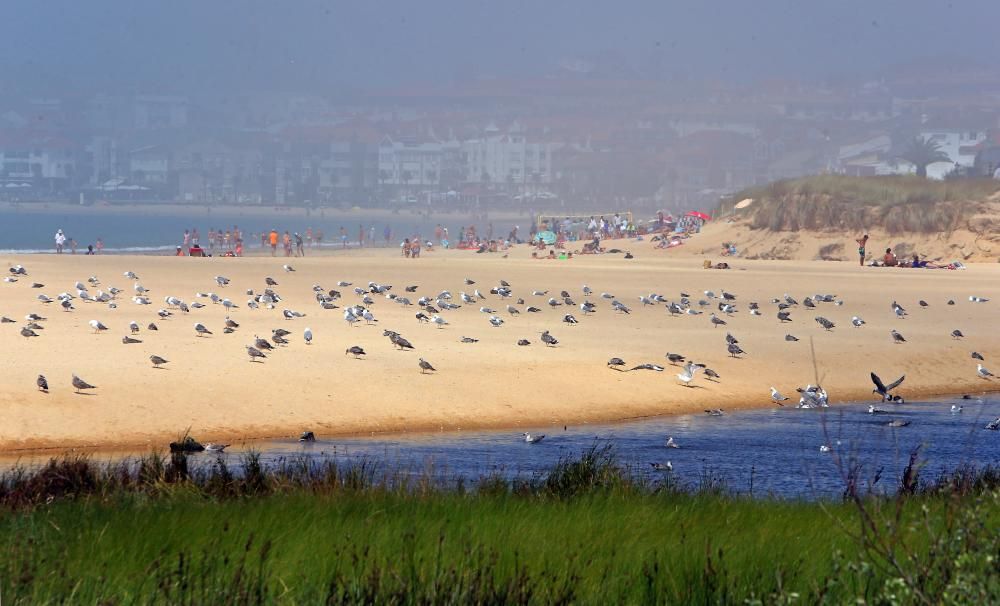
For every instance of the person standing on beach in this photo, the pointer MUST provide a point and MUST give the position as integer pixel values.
(361, 236)
(187, 239)
(862, 241)
(274, 241)
(286, 240)
(211, 239)
(343, 236)
(195, 237)
(309, 236)
(300, 249)
(60, 241)
(72, 246)
(371, 236)
(100, 246)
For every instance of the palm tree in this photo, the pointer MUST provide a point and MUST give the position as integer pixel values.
(923, 152)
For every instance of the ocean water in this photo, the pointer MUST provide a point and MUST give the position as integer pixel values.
(27, 230)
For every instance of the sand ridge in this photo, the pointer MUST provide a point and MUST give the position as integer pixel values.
(210, 387)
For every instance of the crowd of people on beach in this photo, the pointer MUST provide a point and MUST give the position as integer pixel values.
(891, 259)
(63, 242)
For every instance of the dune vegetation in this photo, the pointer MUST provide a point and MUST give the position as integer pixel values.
(898, 204)
(589, 531)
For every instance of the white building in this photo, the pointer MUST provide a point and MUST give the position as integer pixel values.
(507, 158)
(413, 164)
(35, 157)
(958, 144)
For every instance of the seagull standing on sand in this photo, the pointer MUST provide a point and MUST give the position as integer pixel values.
(355, 351)
(79, 384)
(253, 352)
(896, 337)
(687, 375)
(716, 321)
(97, 326)
(157, 361)
(42, 383)
(200, 329)
(776, 397)
(425, 366)
(307, 334)
(982, 372)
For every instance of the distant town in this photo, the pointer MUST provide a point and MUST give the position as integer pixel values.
(568, 141)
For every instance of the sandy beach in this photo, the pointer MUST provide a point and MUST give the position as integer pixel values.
(210, 386)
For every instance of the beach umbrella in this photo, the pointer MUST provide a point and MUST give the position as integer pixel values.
(699, 214)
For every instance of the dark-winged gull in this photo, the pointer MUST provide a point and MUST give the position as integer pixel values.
(569, 319)
(956, 334)
(151, 326)
(523, 342)
(711, 375)
(27, 332)
(885, 391)
(734, 350)
(425, 366)
(616, 363)
(857, 322)
(200, 329)
(791, 338)
(157, 361)
(716, 321)
(715, 412)
(307, 436)
(977, 356)
(674, 358)
(549, 340)
(896, 337)
(79, 384)
(254, 353)
(42, 383)
(126, 340)
(826, 324)
(355, 350)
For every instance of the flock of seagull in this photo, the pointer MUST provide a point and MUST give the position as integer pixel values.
(501, 302)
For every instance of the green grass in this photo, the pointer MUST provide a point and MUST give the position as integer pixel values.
(585, 534)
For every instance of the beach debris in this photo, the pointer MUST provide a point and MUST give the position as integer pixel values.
(648, 366)
(42, 383)
(469, 340)
(187, 444)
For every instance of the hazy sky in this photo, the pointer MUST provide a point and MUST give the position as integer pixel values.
(313, 45)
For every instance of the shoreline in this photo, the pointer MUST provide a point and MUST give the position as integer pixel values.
(494, 384)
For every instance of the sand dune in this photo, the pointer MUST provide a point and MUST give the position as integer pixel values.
(210, 386)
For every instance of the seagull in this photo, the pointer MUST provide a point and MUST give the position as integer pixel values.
(425, 366)
(549, 339)
(587, 291)
(857, 322)
(734, 350)
(711, 375)
(130, 340)
(307, 436)
(616, 363)
(530, 439)
(977, 356)
(982, 372)
(716, 320)
(307, 334)
(714, 412)
(824, 448)
(133, 326)
(523, 342)
(875, 410)
(513, 310)
(886, 390)
(674, 357)
(230, 323)
(469, 340)
(253, 352)
(569, 319)
(216, 448)
(648, 366)
(896, 337)
(42, 383)
(97, 326)
(157, 361)
(776, 397)
(670, 443)
(151, 326)
(687, 375)
(355, 350)
(441, 322)
(496, 321)
(976, 299)
(287, 268)
(955, 409)
(956, 334)
(79, 384)
(200, 329)
(826, 324)
(791, 338)
(668, 466)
